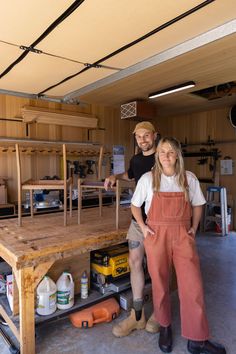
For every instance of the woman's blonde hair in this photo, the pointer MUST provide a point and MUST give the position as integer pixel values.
(179, 166)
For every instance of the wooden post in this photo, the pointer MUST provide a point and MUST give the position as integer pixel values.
(27, 321)
(28, 280)
(18, 169)
(65, 183)
(100, 162)
(79, 200)
(15, 292)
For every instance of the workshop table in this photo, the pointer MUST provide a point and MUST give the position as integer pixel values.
(32, 249)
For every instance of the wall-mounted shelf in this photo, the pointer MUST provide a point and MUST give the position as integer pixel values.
(75, 151)
(58, 117)
(30, 146)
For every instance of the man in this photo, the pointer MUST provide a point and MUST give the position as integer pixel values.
(141, 163)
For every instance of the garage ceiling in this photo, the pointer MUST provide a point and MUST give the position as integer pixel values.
(111, 52)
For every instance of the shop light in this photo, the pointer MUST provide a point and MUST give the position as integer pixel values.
(172, 89)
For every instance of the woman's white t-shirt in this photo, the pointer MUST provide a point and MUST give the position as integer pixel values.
(144, 192)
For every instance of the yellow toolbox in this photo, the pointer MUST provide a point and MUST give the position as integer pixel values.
(110, 263)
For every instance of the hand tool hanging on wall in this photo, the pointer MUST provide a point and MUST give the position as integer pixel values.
(203, 160)
(82, 173)
(214, 154)
(90, 163)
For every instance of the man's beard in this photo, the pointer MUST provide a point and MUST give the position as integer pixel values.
(147, 147)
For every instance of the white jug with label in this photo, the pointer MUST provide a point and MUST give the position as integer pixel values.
(46, 297)
(65, 291)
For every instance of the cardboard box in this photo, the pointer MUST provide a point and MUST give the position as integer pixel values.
(10, 290)
(126, 298)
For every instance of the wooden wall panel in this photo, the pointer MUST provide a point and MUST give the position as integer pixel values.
(195, 128)
(198, 128)
(113, 131)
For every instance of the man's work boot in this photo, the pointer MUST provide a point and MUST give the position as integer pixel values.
(125, 327)
(152, 325)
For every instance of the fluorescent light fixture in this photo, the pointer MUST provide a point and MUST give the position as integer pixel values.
(172, 89)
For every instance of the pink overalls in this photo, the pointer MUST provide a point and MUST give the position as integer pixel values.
(169, 217)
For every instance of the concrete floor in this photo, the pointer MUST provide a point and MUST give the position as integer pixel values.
(218, 263)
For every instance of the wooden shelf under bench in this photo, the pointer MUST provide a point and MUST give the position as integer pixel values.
(33, 249)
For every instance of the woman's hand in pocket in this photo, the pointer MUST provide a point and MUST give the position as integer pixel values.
(147, 231)
(192, 232)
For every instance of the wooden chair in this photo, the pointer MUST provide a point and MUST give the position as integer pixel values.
(92, 185)
(120, 184)
(31, 185)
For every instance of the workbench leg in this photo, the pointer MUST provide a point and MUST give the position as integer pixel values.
(27, 312)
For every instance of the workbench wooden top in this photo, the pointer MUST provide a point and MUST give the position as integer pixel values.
(44, 238)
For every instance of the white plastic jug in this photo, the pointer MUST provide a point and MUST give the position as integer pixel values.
(46, 297)
(65, 291)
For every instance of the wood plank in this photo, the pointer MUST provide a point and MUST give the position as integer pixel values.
(58, 117)
(44, 238)
(40, 271)
(12, 326)
(27, 304)
(15, 293)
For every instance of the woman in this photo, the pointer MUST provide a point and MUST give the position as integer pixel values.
(173, 203)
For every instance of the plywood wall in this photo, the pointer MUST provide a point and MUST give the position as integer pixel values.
(111, 131)
(198, 128)
(193, 128)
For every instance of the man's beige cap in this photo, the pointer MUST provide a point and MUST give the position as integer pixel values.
(144, 125)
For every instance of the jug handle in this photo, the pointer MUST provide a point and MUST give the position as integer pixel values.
(70, 276)
(47, 283)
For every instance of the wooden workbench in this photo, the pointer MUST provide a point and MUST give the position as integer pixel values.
(32, 249)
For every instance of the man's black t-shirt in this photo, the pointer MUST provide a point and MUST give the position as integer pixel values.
(140, 164)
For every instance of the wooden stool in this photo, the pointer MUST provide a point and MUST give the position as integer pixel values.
(120, 184)
(31, 185)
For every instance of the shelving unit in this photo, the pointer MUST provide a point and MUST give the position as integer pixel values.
(33, 249)
(216, 197)
(50, 147)
(33, 152)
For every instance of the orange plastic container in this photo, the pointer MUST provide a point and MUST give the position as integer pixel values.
(105, 311)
